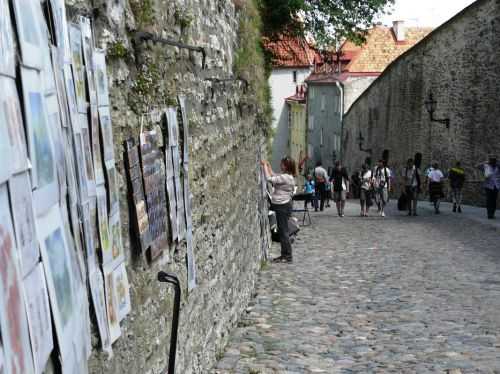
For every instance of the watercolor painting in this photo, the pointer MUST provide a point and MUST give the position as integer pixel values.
(8, 50)
(99, 302)
(122, 291)
(116, 239)
(101, 77)
(75, 37)
(28, 29)
(43, 159)
(112, 189)
(112, 306)
(13, 321)
(107, 133)
(104, 235)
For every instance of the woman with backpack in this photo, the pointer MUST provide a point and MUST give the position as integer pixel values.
(281, 201)
(381, 184)
(435, 178)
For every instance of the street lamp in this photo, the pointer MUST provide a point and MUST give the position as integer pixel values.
(361, 140)
(431, 106)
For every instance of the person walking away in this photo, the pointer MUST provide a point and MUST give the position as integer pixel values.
(366, 179)
(381, 183)
(340, 180)
(309, 188)
(435, 178)
(281, 201)
(356, 185)
(456, 176)
(321, 177)
(411, 182)
(491, 172)
(328, 193)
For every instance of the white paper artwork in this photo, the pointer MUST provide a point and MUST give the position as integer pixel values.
(10, 113)
(99, 302)
(28, 31)
(13, 321)
(39, 320)
(58, 9)
(117, 255)
(7, 46)
(122, 291)
(5, 151)
(101, 77)
(48, 80)
(40, 143)
(24, 221)
(59, 274)
(75, 38)
(112, 305)
(107, 133)
(88, 47)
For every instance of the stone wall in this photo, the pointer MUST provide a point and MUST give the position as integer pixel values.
(225, 144)
(354, 87)
(460, 64)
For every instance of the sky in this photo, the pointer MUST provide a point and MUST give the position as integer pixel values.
(425, 12)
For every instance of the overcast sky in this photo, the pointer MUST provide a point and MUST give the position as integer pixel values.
(425, 12)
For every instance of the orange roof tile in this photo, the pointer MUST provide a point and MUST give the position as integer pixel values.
(292, 52)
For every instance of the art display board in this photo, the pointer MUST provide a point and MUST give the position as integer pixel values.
(8, 50)
(101, 78)
(28, 32)
(21, 200)
(39, 320)
(154, 189)
(58, 266)
(41, 149)
(16, 159)
(13, 317)
(140, 220)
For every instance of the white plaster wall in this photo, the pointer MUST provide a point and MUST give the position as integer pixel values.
(282, 86)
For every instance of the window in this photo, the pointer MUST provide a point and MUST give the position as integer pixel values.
(295, 76)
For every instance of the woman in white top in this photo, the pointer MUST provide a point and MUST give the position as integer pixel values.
(436, 177)
(366, 184)
(281, 201)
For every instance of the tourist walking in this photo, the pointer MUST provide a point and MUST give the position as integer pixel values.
(281, 201)
(435, 178)
(310, 189)
(366, 180)
(411, 184)
(491, 172)
(456, 176)
(340, 180)
(381, 184)
(321, 177)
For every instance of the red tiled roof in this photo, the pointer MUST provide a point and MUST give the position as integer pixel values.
(300, 95)
(292, 52)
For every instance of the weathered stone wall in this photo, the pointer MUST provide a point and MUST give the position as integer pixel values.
(460, 64)
(225, 142)
(354, 87)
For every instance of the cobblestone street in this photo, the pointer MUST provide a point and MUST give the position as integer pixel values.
(373, 295)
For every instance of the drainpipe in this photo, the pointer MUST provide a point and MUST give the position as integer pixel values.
(341, 89)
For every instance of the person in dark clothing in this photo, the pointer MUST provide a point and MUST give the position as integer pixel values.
(411, 185)
(456, 176)
(281, 202)
(491, 172)
(340, 180)
(321, 176)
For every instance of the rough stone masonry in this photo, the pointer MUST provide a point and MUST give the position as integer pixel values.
(460, 64)
(225, 142)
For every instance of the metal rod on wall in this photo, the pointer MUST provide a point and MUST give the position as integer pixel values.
(172, 279)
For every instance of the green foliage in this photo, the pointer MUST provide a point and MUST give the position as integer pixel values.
(250, 62)
(328, 22)
(117, 50)
(183, 17)
(143, 12)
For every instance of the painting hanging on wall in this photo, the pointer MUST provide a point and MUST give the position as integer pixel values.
(102, 216)
(10, 114)
(48, 80)
(40, 143)
(117, 255)
(39, 320)
(8, 50)
(88, 46)
(28, 31)
(75, 38)
(13, 321)
(107, 133)
(96, 145)
(99, 302)
(24, 221)
(58, 10)
(122, 291)
(59, 274)
(112, 305)
(112, 187)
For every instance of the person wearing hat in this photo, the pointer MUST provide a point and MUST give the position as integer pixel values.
(491, 172)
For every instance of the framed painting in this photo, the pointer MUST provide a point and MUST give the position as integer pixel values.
(71, 98)
(87, 154)
(81, 167)
(101, 77)
(117, 254)
(75, 39)
(58, 9)
(96, 145)
(104, 232)
(99, 302)
(59, 275)
(112, 187)
(39, 319)
(21, 200)
(107, 133)
(111, 305)
(88, 48)
(13, 321)
(55, 127)
(8, 48)
(28, 32)
(41, 149)
(122, 291)
(48, 80)
(10, 113)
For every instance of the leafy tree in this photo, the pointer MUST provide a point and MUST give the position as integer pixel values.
(328, 21)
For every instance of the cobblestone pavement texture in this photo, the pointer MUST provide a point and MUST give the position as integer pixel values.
(376, 295)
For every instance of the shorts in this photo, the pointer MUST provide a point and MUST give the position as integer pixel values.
(339, 196)
(382, 195)
(363, 194)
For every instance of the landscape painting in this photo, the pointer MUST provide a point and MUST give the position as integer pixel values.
(13, 321)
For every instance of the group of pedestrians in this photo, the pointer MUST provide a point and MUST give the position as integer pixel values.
(374, 186)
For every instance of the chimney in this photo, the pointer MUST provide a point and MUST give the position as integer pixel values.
(399, 30)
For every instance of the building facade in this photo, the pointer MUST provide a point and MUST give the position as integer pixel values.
(297, 129)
